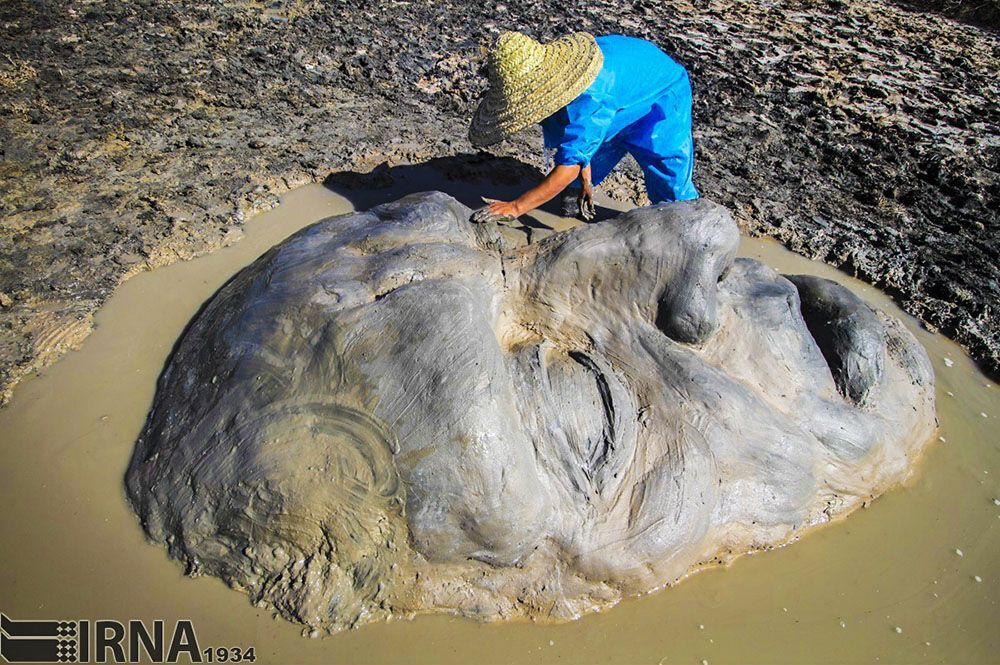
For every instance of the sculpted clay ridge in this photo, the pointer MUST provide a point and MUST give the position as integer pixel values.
(399, 411)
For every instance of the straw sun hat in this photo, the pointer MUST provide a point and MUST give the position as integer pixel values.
(529, 81)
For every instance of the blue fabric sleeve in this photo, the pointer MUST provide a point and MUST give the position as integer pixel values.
(587, 121)
(552, 129)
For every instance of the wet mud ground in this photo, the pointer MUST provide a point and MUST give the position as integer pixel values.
(134, 134)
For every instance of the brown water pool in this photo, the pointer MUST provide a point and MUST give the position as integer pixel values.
(886, 585)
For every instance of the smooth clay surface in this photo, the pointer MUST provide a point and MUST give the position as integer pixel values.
(400, 411)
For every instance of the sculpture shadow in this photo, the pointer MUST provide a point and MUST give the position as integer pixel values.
(465, 176)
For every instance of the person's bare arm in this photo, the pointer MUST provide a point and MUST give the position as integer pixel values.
(557, 180)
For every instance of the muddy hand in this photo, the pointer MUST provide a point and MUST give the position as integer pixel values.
(586, 199)
(487, 215)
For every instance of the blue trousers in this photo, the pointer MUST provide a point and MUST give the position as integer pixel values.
(661, 143)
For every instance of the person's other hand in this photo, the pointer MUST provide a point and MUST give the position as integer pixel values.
(499, 212)
(586, 198)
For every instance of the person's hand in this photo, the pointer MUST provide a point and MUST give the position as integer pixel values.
(498, 212)
(586, 198)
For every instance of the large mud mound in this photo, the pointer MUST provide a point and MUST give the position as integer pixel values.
(399, 411)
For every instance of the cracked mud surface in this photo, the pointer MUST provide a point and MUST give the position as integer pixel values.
(135, 134)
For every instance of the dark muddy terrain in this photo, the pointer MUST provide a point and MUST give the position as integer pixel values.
(134, 134)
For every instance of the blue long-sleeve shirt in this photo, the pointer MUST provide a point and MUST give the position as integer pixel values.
(635, 74)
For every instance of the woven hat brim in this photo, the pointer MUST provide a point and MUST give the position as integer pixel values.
(569, 66)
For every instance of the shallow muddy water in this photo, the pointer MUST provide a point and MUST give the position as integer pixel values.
(885, 585)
